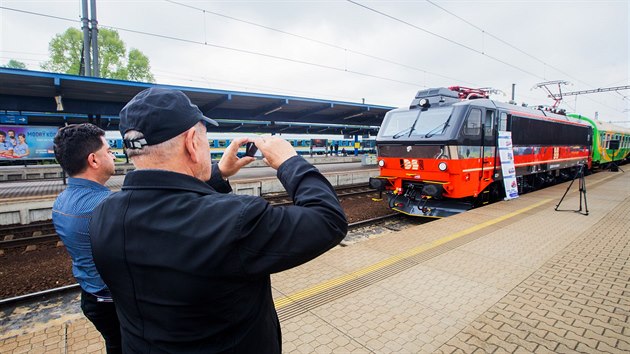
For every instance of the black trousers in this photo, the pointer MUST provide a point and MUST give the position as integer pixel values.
(103, 316)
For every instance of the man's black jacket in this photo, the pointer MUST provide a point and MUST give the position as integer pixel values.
(188, 267)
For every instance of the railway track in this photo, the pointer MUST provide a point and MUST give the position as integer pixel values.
(74, 288)
(44, 232)
(342, 192)
(30, 230)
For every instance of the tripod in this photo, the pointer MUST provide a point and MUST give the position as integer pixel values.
(578, 174)
(613, 167)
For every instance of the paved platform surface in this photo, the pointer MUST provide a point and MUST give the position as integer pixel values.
(511, 277)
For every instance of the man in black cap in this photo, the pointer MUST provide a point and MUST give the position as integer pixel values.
(189, 264)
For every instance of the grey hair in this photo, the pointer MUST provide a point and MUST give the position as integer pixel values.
(158, 152)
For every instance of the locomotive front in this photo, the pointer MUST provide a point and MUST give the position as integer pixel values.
(432, 156)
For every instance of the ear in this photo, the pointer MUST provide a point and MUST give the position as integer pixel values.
(191, 144)
(93, 161)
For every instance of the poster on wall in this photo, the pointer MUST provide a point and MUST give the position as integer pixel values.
(26, 142)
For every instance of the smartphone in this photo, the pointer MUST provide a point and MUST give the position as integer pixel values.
(251, 149)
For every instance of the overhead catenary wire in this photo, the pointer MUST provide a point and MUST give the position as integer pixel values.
(514, 47)
(445, 38)
(458, 43)
(328, 44)
(495, 37)
(184, 40)
(280, 57)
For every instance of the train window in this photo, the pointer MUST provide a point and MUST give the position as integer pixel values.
(222, 143)
(473, 122)
(503, 122)
(400, 124)
(489, 123)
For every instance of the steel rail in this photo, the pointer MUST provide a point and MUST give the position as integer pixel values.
(38, 296)
(26, 241)
(280, 199)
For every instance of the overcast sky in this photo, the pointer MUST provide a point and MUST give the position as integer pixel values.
(380, 51)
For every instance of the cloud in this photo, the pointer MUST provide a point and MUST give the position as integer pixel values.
(583, 42)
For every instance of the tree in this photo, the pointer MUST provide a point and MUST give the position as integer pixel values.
(14, 64)
(66, 50)
(138, 66)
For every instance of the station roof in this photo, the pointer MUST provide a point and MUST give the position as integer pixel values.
(31, 95)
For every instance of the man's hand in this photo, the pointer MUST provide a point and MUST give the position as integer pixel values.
(275, 150)
(230, 164)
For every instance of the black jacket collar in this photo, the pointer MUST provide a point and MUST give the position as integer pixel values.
(161, 179)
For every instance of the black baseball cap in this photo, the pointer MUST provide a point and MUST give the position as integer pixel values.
(160, 114)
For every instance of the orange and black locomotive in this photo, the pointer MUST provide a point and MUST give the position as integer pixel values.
(440, 156)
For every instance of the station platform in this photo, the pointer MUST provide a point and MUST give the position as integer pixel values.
(512, 277)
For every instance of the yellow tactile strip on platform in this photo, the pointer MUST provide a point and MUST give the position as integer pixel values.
(330, 290)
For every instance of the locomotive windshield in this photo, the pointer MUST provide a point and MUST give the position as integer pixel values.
(415, 123)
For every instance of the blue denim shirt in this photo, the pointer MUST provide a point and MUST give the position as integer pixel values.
(71, 216)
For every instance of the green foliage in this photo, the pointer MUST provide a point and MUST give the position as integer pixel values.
(14, 64)
(111, 52)
(65, 52)
(65, 56)
(138, 66)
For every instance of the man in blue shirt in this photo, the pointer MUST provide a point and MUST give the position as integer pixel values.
(85, 155)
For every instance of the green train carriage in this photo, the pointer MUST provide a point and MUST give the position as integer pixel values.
(610, 142)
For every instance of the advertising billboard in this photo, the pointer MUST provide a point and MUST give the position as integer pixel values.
(26, 142)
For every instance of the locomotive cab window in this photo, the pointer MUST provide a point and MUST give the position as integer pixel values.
(410, 123)
(473, 122)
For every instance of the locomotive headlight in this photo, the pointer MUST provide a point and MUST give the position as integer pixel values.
(381, 163)
(442, 166)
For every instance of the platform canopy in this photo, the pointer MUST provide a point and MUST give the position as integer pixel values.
(41, 98)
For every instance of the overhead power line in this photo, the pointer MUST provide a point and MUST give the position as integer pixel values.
(445, 38)
(514, 47)
(38, 14)
(416, 85)
(468, 47)
(328, 44)
(497, 38)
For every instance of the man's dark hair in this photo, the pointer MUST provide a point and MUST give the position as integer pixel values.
(74, 143)
(3, 133)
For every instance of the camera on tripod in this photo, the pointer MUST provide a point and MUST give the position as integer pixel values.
(614, 146)
(579, 174)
